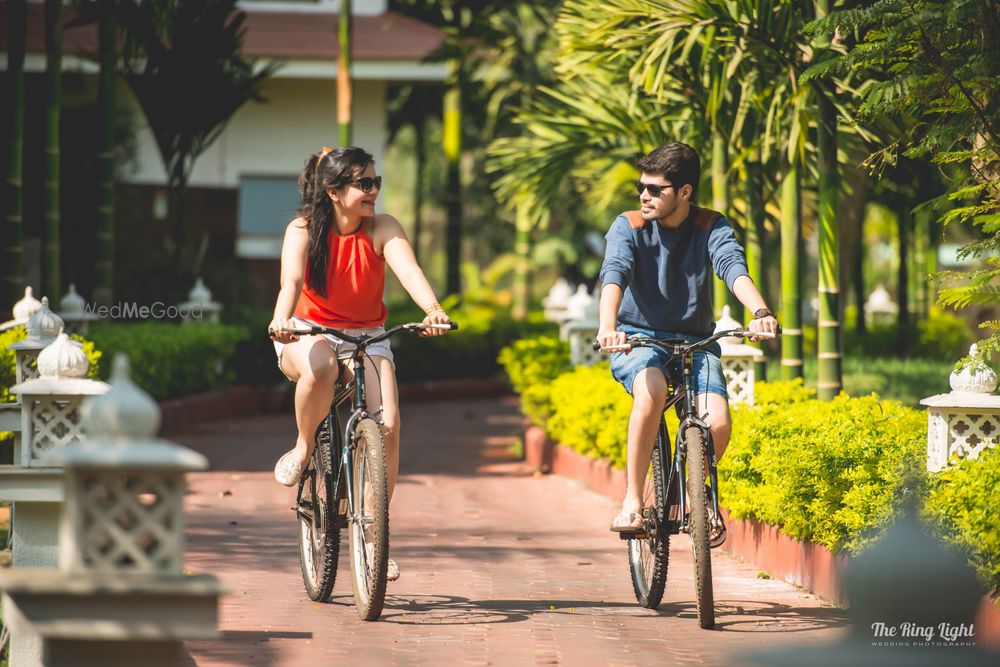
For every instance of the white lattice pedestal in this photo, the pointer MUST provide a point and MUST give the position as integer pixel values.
(960, 425)
(119, 596)
(738, 362)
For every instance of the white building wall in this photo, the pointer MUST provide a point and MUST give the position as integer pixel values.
(274, 137)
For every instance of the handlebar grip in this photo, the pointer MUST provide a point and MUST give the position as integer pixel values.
(596, 345)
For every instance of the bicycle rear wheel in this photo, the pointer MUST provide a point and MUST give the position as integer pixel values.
(319, 536)
(369, 525)
(698, 525)
(648, 556)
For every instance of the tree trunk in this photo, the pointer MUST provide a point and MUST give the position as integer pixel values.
(51, 283)
(522, 269)
(104, 266)
(903, 221)
(12, 235)
(791, 274)
(829, 382)
(754, 241)
(452, 130)
(345, 87)
(420, 155)
(720, 202)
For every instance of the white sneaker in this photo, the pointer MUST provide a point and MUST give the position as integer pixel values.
(391, 571)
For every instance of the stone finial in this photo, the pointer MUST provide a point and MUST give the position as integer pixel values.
(199, 293)
(728, 323)
(879, 301)
(43, 323)
(974, 377)
(559, 295)
(72, 303)
(63, 359)
(27, 306)
(576, 307)
(125, 413)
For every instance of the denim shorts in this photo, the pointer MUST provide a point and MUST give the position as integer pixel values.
(706, 367)
(342, 348)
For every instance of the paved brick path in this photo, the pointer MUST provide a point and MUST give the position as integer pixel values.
(498, 566)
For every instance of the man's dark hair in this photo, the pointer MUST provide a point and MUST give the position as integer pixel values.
(676, 162)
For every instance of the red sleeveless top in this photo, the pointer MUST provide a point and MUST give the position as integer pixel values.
(355, 283)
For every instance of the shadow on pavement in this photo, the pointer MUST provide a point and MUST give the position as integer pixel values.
(761, 616)
(237, 647)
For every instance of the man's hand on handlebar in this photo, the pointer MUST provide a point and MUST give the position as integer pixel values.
(611, 338)
(276, 327)
(767, 324)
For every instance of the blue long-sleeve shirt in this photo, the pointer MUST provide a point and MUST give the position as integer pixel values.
(665, 274)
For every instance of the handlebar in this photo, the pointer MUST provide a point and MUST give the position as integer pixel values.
(359, 340)
(682, 345)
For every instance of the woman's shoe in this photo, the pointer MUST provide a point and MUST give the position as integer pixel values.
(288, 469)
(391, 571)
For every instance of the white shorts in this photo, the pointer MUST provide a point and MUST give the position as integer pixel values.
(342, 349)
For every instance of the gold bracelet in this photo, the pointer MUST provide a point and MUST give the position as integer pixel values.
(434, 307)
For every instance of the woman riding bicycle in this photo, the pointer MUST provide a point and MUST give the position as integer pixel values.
(333, 274)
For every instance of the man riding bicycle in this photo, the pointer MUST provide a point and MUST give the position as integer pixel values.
(657, 282)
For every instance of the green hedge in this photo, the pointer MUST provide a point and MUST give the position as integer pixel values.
(962, 505)
(471, 351)
(831, 472)
(170, 360)
(531, 365)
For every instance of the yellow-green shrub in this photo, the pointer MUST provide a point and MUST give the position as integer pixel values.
(832, 472)
(962, 506)
(532, 364)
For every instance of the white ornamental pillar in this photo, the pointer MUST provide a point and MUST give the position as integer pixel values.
(738, 361)
(119, 596)
(555, 302)
(199, 306)
(964, 422)
(73, 311)
(22, 310)
(582, 330)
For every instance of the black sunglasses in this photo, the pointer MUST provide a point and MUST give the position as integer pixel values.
(654, 189)
(366, 183)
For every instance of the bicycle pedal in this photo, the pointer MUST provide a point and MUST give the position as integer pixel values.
(342, 507)
(633, 536)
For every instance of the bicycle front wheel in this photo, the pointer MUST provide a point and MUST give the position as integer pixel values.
(369, 533)
(648, 556)
(319, 536)
(698, 525)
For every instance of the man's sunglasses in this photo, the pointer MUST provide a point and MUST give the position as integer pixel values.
(366, 183)
(654, 189)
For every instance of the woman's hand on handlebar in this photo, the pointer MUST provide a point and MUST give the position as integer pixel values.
(610, 338)
(274, 330)
(435, 317)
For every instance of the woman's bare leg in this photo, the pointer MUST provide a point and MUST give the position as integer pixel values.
(311, 363)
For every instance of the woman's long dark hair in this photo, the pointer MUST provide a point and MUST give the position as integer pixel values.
(324, 171)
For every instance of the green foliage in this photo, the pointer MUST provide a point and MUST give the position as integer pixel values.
(532, 364)
(833, 472)
(590, 413)
(962, 506)
(471, 351)
(782, 392)
(170, 360)
(939, 76)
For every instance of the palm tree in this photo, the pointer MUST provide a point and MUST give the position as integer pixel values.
(11, 239)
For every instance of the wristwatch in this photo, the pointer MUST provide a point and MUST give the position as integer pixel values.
(762, 312)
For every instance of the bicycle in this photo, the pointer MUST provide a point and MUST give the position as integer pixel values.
(666, 495)
(355, 495)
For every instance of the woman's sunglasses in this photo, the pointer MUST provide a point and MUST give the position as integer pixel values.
(366, 183)
(654, 189)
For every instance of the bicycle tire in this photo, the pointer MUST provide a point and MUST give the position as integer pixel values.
(649, 556)
(698, 526)
(369, 537)
(319, 538)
